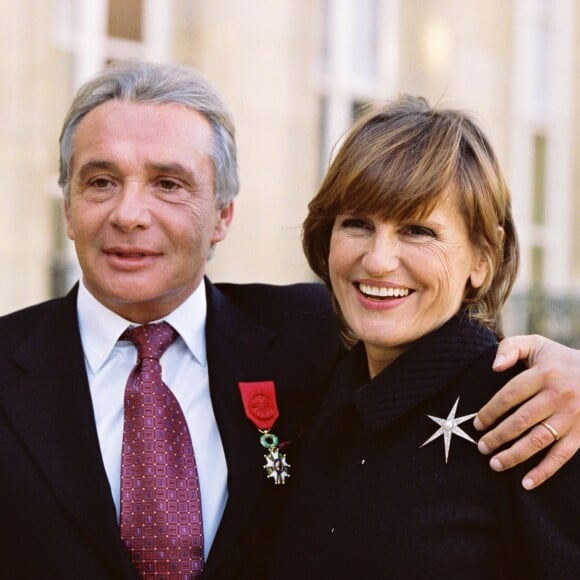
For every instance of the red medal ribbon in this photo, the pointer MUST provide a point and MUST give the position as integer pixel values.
(260, 405)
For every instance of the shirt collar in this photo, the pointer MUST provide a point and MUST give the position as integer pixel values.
(100, 328)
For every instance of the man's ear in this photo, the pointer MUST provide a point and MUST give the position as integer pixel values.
(67, 218)
(222, 227)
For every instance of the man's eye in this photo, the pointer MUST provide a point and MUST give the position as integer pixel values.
(100, 183)
(168, 184)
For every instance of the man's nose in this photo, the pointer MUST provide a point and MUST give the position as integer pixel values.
(131, 208)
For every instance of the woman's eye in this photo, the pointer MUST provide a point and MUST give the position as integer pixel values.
(356, 224)
(419, 231)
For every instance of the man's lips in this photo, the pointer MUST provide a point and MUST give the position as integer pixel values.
(130, 252)
(130, 259)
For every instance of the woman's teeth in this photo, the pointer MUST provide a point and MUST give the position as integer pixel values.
(382, 292)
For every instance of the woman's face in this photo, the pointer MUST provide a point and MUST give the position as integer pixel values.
(397, 281)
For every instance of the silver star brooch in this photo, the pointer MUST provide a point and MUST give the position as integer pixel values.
(449, 427)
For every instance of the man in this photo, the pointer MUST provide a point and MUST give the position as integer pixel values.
(148, 170)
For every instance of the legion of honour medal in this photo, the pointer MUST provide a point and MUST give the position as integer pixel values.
(260, 406)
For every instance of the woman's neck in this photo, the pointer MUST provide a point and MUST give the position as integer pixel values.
(378, 358)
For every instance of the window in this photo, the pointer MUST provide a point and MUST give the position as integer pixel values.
(125, 19)
(349, 66)
(539, 179)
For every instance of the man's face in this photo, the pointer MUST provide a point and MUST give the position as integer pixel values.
(142, 210)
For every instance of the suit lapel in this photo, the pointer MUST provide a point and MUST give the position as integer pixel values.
(48, 405)
(235, 346)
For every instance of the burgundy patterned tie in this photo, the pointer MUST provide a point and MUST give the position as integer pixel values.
(161, 522)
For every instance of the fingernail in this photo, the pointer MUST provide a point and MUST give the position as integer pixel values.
(483, 448)
(495, 464)
(478, 424)
(528, 483)
(499, 360)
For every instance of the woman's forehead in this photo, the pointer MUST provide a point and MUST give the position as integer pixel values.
(398, 205)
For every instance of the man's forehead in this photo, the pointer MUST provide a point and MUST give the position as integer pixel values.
(173, 116)
(161, 135)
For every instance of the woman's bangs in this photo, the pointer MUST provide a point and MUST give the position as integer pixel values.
(392, 191)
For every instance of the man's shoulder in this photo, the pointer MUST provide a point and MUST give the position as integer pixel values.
(31, 312)
(303, 298)
(302, 312)
(20, 322)
(298, 288)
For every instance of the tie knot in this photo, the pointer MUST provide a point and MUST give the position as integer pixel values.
(151, 340)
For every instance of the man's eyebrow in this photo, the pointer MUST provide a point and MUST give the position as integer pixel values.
(95, 165)
(171, 169)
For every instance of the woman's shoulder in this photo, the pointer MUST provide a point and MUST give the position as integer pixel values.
(480, 380)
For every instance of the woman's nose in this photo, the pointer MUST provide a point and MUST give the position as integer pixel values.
(383, 254)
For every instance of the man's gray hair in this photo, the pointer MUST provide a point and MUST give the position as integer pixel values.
(144, 82)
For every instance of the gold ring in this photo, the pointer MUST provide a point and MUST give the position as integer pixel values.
(551, 430)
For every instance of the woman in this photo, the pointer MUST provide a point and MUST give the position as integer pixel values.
(412, 232)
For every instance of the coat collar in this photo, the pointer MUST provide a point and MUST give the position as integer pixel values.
(241, 349)
(47, 402)
(234, 343)
(421, 372)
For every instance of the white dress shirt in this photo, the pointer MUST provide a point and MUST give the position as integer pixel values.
(184, 366)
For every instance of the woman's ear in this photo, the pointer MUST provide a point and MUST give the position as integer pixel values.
(483, 264)
(500, 234)
(479, 272)
(478, 276)
(480, 269)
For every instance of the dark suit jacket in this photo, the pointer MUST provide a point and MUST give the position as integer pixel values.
(369, 503)
(57, 517)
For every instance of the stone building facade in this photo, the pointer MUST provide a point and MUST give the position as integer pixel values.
(294, 73)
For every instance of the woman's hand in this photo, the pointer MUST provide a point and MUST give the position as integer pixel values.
(548, 391)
